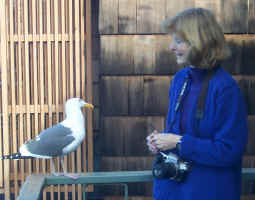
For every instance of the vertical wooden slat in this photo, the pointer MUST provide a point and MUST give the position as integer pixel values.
(35, 80)
(49, 73)
(251, 16)
(64, 95)
(127, 16)
(89, 84)
(32, 80)
(27, 79)
(20, 85)
(56, 82)
(150, 13)
(77, 68)
(71, 79)
(83, 64)
(4, 75)
(42, 80)
(83, 74)
(174, 7)
(13, 100)
(108, 17)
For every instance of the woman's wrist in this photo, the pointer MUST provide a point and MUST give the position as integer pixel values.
(178, 144)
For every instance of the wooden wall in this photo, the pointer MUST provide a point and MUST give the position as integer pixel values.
(134, 67)
(42, 64)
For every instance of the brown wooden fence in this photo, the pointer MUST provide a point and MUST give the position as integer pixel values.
(45, 50)
(137, 64)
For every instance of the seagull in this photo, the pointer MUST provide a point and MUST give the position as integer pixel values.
(58, 140)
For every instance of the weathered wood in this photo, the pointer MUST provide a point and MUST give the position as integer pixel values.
(117, 55)
(32, 188)
(115, 92)
(150, 54)
(118, 163)
(212, 5)
(248, 197)
(134, 189)
(248, 161)
(126, 136)
(127, 16)
(248, 89)
(150, 13)
(149, 95)
(137, 56)
(250, 149)
(39, 37)
(147, 92)
(234, 16)
(165, 60)
(234, 63)
(251, 16)
(113, 138)
(248, 56)
(5, 141)
(174, 7)
(135, 96)
(108, 16)
(144, 54)
(156, 90)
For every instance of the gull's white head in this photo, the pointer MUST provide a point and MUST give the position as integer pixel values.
(76, 103)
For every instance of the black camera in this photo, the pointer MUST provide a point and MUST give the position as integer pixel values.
(170, 166)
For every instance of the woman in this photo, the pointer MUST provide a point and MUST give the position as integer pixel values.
(214, 144)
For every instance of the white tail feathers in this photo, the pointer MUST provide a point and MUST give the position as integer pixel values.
(15, 156)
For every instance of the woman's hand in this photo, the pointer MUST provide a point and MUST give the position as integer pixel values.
(150, 142)
(164, 141)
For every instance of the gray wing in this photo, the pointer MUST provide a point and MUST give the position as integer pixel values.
(51, 141)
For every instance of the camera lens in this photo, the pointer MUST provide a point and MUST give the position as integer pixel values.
(164, 170)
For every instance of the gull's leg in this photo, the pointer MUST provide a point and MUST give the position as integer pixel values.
(54, 169)
(63, 164)
(73, 176)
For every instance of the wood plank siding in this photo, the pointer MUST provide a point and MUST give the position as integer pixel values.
(135, 67)
(145, 16)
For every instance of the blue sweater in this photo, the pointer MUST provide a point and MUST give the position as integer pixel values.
(216, 155)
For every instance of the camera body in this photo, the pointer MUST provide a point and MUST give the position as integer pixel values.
(170, 166)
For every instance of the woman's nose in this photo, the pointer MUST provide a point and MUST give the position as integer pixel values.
(172, 46)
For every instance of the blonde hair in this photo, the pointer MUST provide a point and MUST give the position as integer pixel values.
(199, 28)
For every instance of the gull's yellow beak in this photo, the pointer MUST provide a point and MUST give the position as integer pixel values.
(89, 106)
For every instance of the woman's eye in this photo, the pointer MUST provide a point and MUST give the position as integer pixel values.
(178, 41)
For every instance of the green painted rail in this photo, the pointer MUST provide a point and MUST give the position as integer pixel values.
(34, 184)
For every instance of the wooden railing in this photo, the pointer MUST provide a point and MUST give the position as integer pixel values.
(35, 183)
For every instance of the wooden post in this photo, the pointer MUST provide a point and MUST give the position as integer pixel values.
(32, 188)
(4, 74)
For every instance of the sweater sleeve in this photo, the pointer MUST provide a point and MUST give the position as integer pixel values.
(231, 133)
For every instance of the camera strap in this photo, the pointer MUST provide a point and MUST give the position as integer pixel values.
(199, 112)
(200, 107)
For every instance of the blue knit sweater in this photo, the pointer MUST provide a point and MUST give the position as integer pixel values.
(216, 154)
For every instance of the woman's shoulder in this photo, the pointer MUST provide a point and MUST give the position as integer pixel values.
(181, 74)
(223, 80)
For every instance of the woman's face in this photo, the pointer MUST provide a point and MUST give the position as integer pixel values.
(180, 48)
